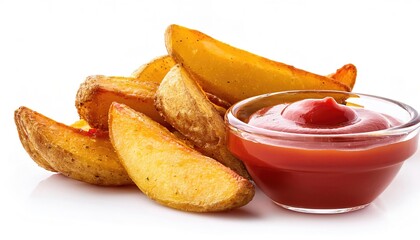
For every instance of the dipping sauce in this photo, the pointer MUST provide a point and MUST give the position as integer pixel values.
(310, 173)
(320, 116)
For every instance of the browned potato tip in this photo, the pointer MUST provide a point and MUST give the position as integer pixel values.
(346, 74)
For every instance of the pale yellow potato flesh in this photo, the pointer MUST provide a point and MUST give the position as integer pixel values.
(87, 156)
(168, 171)
(233, 74)
(81, 124)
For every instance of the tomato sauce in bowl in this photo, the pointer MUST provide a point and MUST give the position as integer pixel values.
(310, 154)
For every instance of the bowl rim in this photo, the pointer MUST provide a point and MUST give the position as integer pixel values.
(234, 123)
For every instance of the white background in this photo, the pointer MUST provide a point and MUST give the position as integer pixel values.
(47, 48)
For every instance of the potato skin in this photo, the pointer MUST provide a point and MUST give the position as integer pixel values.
(87, 156)
(97, 92)
(185, 106)
(168, 171)
(234, 74)
(27, 142)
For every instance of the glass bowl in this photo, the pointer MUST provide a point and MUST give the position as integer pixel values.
(322, 173)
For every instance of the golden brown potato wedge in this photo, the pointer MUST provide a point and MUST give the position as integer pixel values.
(96, 94)
(346, 75)
(155, 70)
(185, 106)
(170, 172)
(87, 156)
(234, 74)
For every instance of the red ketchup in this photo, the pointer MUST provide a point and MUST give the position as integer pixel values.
(320, 116)
(330, 174)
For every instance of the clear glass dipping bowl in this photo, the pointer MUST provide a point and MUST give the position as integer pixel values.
(328, 173)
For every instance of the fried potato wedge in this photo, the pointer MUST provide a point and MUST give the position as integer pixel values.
(185, 106)
(168, 171)
(87, 156)
(155, 70)
(346, 75)
(96, 94)
(234, 74)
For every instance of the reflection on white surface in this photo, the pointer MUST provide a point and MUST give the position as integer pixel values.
(58, 194)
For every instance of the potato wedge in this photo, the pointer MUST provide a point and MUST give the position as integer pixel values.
(346, 75)
(96, 94)
(185, 106)
(87, 156)
(168, 171)
(234, 74)
(155, 70)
